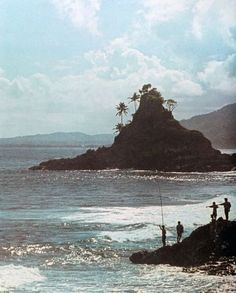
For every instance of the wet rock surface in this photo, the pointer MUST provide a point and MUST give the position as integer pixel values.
(223, 267)
(204, 250)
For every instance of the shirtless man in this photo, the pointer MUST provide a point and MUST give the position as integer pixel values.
(214, 206)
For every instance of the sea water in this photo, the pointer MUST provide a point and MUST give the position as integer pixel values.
(73, 231)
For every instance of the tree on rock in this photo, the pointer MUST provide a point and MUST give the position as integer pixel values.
(154, 92)
(171, 104)
(118, 128)
(122, 109)
(145, 89)
(134, 99)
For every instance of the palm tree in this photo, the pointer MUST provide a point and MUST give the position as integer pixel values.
(134, 99)
(171, 104)
(121, 109)
(118, 128)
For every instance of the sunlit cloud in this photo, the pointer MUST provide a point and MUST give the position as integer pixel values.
(200, 12)
(161, 11)
(208, 13)
(82, 13)
(220, 75)
(115, 73)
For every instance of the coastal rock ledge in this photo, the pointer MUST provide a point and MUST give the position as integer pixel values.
(203, 250)
(153, 140)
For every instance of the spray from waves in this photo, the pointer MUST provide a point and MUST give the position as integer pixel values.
(16, 276)
(84, 255)
(189, 213)
(144, 220)
(150, 232)
(28, 250)
(81, 252)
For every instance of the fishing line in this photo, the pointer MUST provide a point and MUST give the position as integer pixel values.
(159, 189)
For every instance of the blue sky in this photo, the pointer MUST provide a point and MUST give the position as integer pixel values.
(65, 64)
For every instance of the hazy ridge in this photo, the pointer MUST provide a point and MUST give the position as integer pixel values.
(218, 126)
(59, 139)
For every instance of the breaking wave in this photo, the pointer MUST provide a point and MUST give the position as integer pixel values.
(16, 276)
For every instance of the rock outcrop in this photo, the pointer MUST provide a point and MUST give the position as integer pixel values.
(153, 140)
(203, 248)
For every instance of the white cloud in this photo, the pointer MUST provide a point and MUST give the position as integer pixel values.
(4, 84)
(204, 16)
(86, 101)
(82, 13)
(218, 75)
(123, 62)
(188, 88)
(201, 12)
(159, 10)
(227, 17)
(39, 104)
(215, 14)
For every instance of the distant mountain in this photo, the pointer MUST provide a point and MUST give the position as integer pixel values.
(218, 126)
(60, 139)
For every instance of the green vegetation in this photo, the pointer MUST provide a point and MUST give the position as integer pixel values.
(122, 109)
(134, 99)
(147, 89)
(118, 127)
(171, 104)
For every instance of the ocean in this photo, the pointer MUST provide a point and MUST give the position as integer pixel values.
(73, 231)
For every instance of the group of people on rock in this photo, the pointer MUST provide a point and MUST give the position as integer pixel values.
(217, 225)
(214, 206)
(180, 227)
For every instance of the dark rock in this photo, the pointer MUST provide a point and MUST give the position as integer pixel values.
(222, 267)
(199, 249)
(153, 140)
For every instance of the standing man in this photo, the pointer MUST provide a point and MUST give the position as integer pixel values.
(163, 234)
(180, 231)
(214, 206)
(227, 206)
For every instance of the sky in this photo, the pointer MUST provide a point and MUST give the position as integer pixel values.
(66, 64)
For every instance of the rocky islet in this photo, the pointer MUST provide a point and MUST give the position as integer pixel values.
(153, 140)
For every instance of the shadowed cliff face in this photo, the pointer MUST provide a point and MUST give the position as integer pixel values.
(153, 140)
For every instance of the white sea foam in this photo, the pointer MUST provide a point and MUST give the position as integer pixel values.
(190, 215)
(16, 276)
(149, 232)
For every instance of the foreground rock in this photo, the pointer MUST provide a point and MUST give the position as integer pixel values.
(222, 267)
(202, 249)
(153, 140)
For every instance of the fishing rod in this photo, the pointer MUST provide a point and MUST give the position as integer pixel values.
(162, 216)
